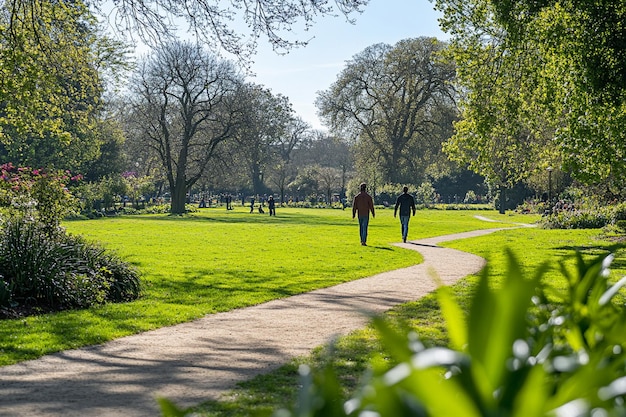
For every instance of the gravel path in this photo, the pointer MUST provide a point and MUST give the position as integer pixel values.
(203, 359)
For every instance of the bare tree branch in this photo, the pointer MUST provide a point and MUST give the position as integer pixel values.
(235, 25)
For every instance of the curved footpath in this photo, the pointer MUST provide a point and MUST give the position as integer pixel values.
(203, 359)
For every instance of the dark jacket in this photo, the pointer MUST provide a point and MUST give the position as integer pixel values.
(406, 202)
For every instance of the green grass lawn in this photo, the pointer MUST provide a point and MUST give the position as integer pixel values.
(218, 260)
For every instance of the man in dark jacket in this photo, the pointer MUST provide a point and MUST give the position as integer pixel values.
(364, 205)
(406, 202)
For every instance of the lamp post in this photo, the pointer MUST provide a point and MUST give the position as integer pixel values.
(550, 188)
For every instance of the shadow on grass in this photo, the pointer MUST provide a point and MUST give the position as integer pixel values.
(381, 247)
(260, 396)
(101, 373)
(242, 218)
(592, 250)
(265, 393)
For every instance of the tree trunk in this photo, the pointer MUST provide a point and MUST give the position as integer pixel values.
(502, 199)
(258, 186)
(179, 198)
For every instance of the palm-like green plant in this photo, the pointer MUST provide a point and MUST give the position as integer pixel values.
(59, 271)
(523, 350)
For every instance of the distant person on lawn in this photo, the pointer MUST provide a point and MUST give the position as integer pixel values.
(406, 203)
(363, 204)
(272, 205)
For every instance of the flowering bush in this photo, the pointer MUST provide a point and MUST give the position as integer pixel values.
(37, 194)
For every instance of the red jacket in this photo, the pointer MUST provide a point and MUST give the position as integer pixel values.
(363, 203)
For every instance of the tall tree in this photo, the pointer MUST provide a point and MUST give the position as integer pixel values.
(326, 150)
(390, 96)
(263, 123)
(296, 131)
(329, 181)
(494, 137)
(284, 170)
(52, 58)
(573, 90)
(281, 175)
(184, 106)
(111, 159)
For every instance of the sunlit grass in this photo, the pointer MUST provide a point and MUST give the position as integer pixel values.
(218, 260)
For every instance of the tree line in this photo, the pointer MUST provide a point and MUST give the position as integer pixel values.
(501, 99)
(187, 119)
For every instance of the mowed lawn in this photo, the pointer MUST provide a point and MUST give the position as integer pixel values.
(218, 260)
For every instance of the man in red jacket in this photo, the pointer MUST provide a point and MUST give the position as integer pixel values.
(363, 204)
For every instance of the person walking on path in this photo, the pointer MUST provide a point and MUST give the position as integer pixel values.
(363, 204)
(406, 203)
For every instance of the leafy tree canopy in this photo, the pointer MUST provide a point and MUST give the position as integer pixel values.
(397, 101)
(596, 27)
(561, 64)
(51, 61)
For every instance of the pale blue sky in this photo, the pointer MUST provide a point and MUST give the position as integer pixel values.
(304, 71)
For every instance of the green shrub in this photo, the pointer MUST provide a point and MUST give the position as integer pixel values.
(426, 193)
(618, 213)
(129, 210)
(533, 207)
(587, 215)
(121, 280)
(585, 218)
(31, 261)
(158, 209)
(60, 271)
(191, 208)
(5, 293)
